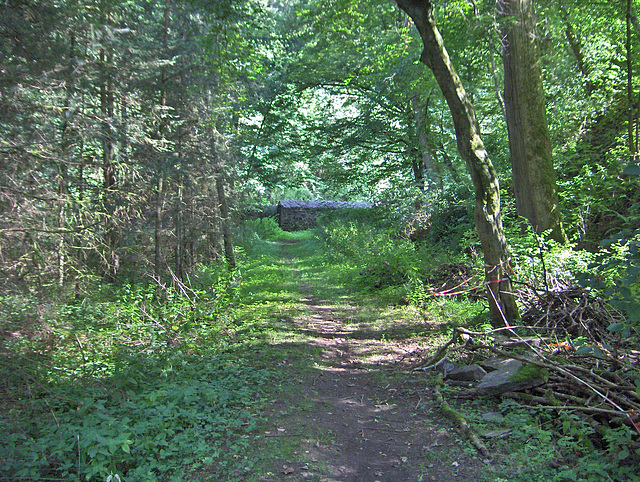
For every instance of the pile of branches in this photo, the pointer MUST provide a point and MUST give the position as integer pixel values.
(570, 313)
(603, 386)
(452, 279)
(592, 369)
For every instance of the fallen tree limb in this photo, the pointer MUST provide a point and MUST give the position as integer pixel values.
(458, 419)
(439, 355)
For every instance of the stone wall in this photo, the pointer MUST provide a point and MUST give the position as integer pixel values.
(301, 215)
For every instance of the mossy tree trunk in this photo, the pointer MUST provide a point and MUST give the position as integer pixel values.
(485, 181)
(534, 177)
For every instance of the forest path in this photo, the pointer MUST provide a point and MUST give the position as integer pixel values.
(351, 410)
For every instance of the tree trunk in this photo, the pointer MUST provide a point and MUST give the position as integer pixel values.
(63, 189)
(224, 214)
(534, 177)
(496, 83)
(485, 181)
(179, 229)
(111, 235)
(424, 168)
(576, 48)
(158, 227)
(160, 186)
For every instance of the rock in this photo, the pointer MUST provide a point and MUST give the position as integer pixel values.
(493, 364)
(460, 383)
(512, 376)
(469, 373)
(447, 367)
(492, 417)
(499, 433)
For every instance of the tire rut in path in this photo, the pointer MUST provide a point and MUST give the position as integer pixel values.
(369, 420)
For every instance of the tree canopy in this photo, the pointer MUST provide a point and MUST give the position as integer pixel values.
(126, 125)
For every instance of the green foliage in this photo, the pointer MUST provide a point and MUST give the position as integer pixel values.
(543, 262)
(598, 199)
(617, 462)
(383, 259)
(157, 416)
(253, 234)
(615, 273)
(135, 383)
(543, 445)
(440, 221)
(178, 312)
(265, 228)
(400, 243)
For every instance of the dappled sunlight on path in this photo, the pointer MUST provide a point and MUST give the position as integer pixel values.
(366, 417)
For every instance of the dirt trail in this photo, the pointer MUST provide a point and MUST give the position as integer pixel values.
(366, 419)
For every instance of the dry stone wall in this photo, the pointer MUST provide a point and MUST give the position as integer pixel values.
(301, 215)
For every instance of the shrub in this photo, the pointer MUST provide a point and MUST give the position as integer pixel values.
(615, 272)
(134, 383)
(156, 418)
(383, 259)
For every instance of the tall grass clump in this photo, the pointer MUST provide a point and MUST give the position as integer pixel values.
(260, 236)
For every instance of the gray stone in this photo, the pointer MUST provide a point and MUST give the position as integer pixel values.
(504, 379)
(469, 373)
(447, 367)
(492, 417)
(494, 363)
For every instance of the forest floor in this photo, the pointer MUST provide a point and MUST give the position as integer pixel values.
(351, 409)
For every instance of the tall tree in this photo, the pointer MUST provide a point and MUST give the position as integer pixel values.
(534, 177)
(107, 112)
(485, 181)
(361, 109)
(632, 110)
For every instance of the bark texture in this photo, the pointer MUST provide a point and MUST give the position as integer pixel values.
(534, 177)
(425, 170)
(485, 181)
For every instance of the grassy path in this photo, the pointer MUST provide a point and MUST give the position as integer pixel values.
(343, 407)
(298, 376)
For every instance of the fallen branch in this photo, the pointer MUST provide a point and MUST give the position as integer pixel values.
(458, 419)
(434, 361)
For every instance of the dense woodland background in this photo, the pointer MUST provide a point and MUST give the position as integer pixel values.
(128, 126)
(137, 138)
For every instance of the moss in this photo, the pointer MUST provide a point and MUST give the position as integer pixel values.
(530, 372)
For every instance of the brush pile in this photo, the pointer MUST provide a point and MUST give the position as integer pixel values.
(583, 344)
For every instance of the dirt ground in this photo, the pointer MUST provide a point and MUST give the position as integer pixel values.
(367, 417)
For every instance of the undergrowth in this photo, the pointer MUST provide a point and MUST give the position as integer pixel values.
(541, 445)
(140, 382)
(169, 382)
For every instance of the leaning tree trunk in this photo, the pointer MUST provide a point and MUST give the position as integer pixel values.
(576, 48)
(534, 177)
(485, 181)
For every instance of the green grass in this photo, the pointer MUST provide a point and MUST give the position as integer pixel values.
(163, 386)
